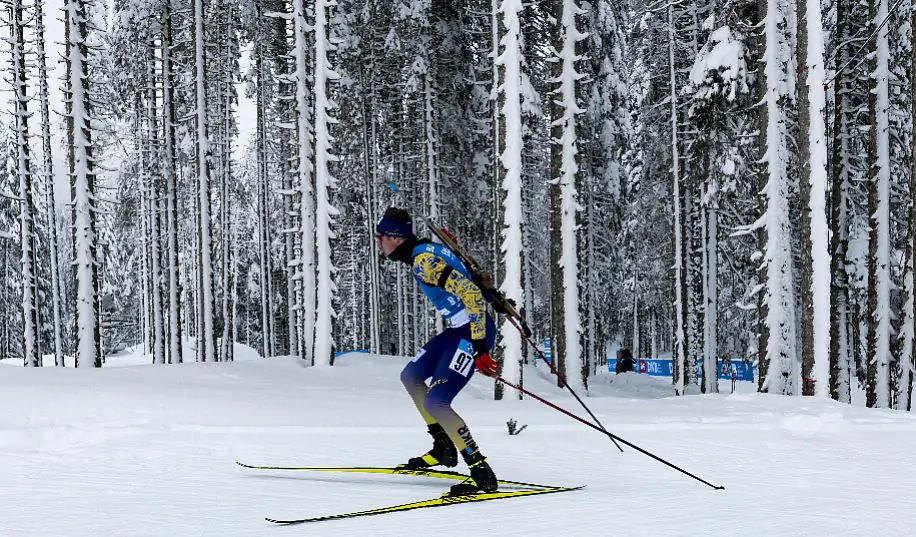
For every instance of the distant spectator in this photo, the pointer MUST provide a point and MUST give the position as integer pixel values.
(625, 361)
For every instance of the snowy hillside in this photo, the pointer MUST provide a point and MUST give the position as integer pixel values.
(149, 451)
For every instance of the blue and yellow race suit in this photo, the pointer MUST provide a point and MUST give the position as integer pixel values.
(448, 358)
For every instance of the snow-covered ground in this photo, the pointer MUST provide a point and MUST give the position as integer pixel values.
(149, 451)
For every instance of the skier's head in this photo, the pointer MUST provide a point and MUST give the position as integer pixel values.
(392, 230)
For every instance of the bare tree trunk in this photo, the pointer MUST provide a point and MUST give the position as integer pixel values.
(557, 333)
(263, 195)
(48, 173)
(905, 378)
(839, 342)
(154, 164)
(804, 197)
(680, 358)
(226, 341)
(205, 270)
(905, 386)
(170, 166)
(371, 210)
(763, 334)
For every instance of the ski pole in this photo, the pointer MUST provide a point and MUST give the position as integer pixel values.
(525, 335)
(611, 435)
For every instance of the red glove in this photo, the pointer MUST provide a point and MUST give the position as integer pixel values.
(485, 364)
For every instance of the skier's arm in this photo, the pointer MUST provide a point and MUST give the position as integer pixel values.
(433, 270)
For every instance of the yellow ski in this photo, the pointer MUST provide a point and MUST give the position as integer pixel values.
(437, 474)
(436, 502)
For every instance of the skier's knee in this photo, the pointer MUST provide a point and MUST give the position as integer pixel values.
(409, 378)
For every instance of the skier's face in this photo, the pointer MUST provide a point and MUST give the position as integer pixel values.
(387, 244)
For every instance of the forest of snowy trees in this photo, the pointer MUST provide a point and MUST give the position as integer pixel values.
(722, 179)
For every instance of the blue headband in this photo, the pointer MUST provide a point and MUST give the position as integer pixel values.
(394, 228)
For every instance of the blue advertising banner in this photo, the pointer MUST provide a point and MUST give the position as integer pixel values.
(662, 368)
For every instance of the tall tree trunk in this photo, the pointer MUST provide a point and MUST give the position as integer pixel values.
(804, 197)
(154, 164)
(48, 173)
(905, 383)
(306, 191)
(28, 279)
(369, 183)
(263, 196)
(226, 341)
(324, 184)
(145, 280)
(878, 355)
(170, 166)
(815, 269)
(679, 367)
(569, 204)
(511, 161)
(710, 252)
(781, 362)
(205, 269)
(82, 186)
(557, 332)
(840, 345)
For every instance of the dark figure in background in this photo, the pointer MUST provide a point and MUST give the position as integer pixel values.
(625, 362)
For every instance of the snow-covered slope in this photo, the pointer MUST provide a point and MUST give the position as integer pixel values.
(137, 451)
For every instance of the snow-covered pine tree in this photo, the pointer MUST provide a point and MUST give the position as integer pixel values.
(23, 171)
(170, 169)
(47, 171)
(304, 179)
(82, 186)
(678, 193)
(845, 146)
(324, 186)
(905, 384)
(206, 341)
(879, 278)
(778, 367)
(10, 254)
(154, 186)
(569, 203)
(555, 237)
(511, 159)
(603, 138)
(717, 81)
(900, 127)
(226, 69)
(814, 269)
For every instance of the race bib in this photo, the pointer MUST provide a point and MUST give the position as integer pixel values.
(463, 359)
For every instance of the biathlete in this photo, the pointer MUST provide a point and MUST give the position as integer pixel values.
(449, 359)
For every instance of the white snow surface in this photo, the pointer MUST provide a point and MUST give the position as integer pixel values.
(149, 451)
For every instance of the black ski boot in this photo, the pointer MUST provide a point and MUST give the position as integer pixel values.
(443, 451)
(482, 477)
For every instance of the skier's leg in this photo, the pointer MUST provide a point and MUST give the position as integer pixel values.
(414, 378)
(415, 373)
(452, 373)
(448, 380)
(451, 376)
